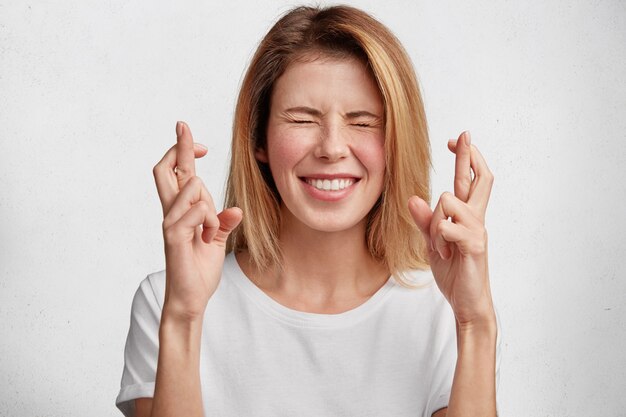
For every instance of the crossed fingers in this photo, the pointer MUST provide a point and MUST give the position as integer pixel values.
(185, 200)
(474, 189)
(458, 218)
(177, 166)
(467, 207)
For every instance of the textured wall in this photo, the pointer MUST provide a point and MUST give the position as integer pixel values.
(89, 95)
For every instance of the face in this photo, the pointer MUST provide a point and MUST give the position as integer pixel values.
(325, 143)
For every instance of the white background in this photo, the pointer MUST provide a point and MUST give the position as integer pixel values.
(89, 96)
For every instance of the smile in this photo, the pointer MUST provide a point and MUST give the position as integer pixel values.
(335, 184)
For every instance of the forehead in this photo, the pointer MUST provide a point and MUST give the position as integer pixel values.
(323, 81)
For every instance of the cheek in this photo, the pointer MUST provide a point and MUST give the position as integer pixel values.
(372, 156)
(282, 158)
(284, 151)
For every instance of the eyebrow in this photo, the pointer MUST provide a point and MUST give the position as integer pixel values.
(315, 112)
(305, 110)
(361, 113)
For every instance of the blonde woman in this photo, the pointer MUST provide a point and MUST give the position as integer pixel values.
(327, 287)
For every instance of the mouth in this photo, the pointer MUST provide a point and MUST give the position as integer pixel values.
(328, 184)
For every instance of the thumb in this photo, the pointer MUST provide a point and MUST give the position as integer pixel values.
(229, 219)
(422, 215)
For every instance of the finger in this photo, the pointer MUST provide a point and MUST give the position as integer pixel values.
(452, 145)
(184, 229)
(193, 192)
(229, 220)
(185, 161)
(422, 215)
(462, 171)
(452, 232)
(480, 190)
(467, 241)
(451, 207)
(482, 183)
(165, 178)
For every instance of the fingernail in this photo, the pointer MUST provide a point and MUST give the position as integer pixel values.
(179, 128)
(201, 146)
(468, 138)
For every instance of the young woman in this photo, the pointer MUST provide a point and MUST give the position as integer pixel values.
(312, 293)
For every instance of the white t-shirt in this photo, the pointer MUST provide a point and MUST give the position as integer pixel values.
(393, 355)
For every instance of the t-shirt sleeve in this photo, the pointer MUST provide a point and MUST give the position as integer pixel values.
(142, 346)
(444, 355)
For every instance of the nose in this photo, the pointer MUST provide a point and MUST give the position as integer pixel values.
(333, 143)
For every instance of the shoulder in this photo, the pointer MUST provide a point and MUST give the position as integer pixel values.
(150, 294)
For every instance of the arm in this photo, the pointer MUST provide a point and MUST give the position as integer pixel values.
(195, 238)
(473, 387)
(474, 384)
(457, 241)
(177, 388)
(143, 407)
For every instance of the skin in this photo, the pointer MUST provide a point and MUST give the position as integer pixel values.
(337, 128)
(458, 258)
(325, 119)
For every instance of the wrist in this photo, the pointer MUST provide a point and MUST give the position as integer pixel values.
(479, 316)
(183, 328)
(483, 325)
(181, 313)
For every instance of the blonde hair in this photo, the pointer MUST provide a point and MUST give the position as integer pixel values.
(338, 32)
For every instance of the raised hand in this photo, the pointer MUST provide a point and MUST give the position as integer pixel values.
(456, 236)
(194, 233)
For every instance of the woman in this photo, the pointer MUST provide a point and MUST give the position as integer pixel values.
(321, 301)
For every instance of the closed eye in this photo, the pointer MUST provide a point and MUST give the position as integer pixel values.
(302, 121)
(361, 124)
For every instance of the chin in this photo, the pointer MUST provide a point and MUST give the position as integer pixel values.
(332, 223)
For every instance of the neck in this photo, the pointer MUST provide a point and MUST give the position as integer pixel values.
(326, 272)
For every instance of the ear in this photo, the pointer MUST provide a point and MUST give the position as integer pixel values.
(261, 155)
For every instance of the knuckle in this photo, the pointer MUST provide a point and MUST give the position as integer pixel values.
(478, 249)
(170, 234)
(176, 234)
(479, 244)
(156, 170)
(195, 182)
(166, 224)
(203, 206)
(182, 172)
(447, 196)
(440, 227)
(440, 244)
(487, 175)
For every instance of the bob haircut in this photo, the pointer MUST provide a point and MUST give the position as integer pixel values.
(339, 32)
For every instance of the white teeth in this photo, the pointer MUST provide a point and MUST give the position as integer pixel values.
(330, 185)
